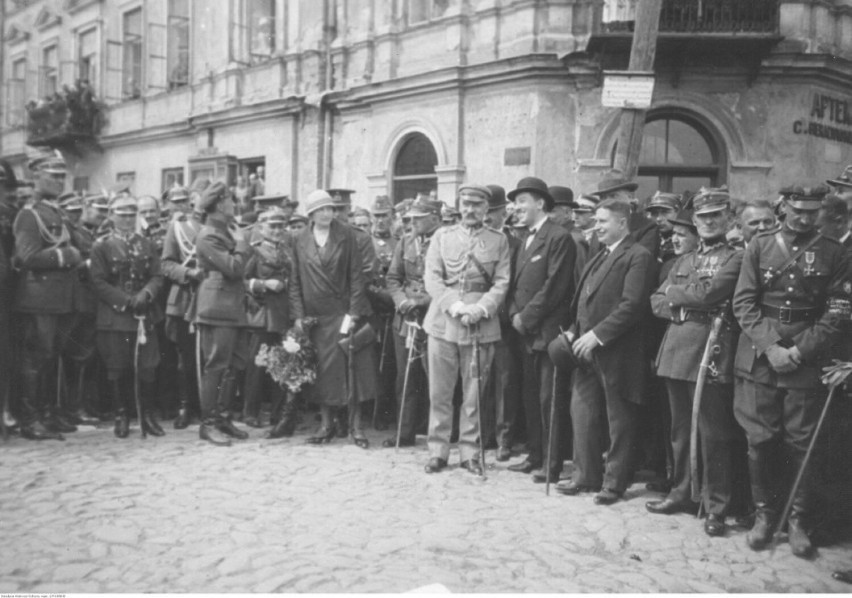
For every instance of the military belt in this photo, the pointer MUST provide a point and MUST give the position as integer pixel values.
(790, 315)
(701, 317)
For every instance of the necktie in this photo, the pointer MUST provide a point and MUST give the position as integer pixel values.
(601, 258)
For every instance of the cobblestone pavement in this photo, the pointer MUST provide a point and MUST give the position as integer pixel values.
(174, 514)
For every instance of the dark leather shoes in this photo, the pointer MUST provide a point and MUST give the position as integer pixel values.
(572, 488)
(359, 440)
(253, 422)
(227, 427)
(391, 442)
(844, 576)
(524, 466)
(473, 466)
(669, 506)
(504, 453)
(207, 431)
(714, 525)
(607, 496)
(435, 465)
(798, 538)
(539, 476)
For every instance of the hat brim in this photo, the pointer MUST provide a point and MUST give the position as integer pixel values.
(497, 206)
(613, 189)
(548, 198)
(419, 213)
(679, 222)
(805, 204)
(325, 204)
(710, 210)
(839, 183)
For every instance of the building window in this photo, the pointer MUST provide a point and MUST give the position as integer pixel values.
(172, 177)
(131, 83)
(16, 89)
(126, 178)
(49, 80)
(414, 168)
(421, 11)
(252, 30)
(679, 153)
(177, 35)
(87, 57)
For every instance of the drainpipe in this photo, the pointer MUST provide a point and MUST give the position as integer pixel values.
(5, 99)
(329, 30)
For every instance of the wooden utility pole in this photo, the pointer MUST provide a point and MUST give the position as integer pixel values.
(642, 54)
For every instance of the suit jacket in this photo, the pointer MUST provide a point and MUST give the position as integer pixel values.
(221, 297)
(542, 284)
(612, 301)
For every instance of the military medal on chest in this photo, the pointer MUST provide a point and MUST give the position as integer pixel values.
(810, 257)
(768, 276)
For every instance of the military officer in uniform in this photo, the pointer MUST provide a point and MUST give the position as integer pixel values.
(405, 284)
(180, 267)
(699, 288)
(467, 275)
(47, 261)
(583, 212)
(661, 209)
(127, 279)
(268, 274)
(222, 252)
(790, 298)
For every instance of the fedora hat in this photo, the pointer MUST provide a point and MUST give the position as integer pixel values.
(615, 180)
(535, 185)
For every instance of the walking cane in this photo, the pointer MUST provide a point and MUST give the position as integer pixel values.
(3, 427)
(551, 428)
(475, 332)
(801, 473)
(410, 335)
(141, 339)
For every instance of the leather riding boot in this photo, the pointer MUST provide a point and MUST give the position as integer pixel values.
(149, 423)
(226, 426)
(287, 420)
(762, 483)
(54, 420)
(227, 387)
(797, 529)
(122, 421)
(182, 419)
(207, 431)
(77, 407)
(341, 421)
(32, 427)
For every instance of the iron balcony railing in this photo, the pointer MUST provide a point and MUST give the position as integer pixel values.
(711, 16)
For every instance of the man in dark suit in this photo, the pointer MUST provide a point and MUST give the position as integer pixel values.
(616, 185)
(538, 301)
(606, 337)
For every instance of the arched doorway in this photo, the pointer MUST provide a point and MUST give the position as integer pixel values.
(679, 153)
(414, 168)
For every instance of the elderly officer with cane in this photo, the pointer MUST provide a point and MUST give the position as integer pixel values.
(467, 275)
(789, 301)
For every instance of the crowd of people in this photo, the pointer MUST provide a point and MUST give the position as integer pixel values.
(684, 334)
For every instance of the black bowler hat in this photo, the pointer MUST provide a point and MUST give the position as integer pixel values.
(562, 196)
(562, 354)
(533, 185)
(498, 197)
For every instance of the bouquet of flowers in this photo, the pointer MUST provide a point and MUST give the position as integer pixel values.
(293, 362)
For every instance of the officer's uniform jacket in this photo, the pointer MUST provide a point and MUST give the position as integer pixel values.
(178, 259)
(383, 247)
(220, 300)
(122, 266)
(803, 306)
(405, 276)
(269, 310)
(47, 261)
(86, 301)
(457, 262)
(699, 286)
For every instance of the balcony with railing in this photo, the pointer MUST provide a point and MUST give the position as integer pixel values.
(68, 119)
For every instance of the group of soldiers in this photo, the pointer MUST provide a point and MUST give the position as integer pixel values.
(682, 334)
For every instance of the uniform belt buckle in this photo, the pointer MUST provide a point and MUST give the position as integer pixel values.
(785, 314)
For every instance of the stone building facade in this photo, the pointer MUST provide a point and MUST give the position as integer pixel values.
(399, 96)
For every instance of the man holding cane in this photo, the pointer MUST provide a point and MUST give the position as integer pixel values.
(467, 276)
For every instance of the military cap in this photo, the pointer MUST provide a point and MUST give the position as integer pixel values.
(70, 201)
(8, 180)
(684, 218)
(177, 194)
(664, 201)
(274, 215)
(449, 214)
(403, 207)
(711, 200)
(474, 190)
(844, 180)
(805, 198)
(615, 180)
(498, 197)
(382, 205)
(318, 199)
(298, 218)
(562, 196)
(532, 184)
(425, 207)
(48, 161)
(586, 203)
(99, 201)
(279, 197)
(341, 196)
(124, 205)
(213, 194)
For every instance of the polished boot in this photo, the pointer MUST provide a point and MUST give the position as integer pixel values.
(122, 421)
(182, 419)
(226, 426)
(227, 389)
(32, 427)
(760, 534)
(762, 485)
(54, 420)
(797, 532)
(286, 423)
(208, 431)
(149, 423)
